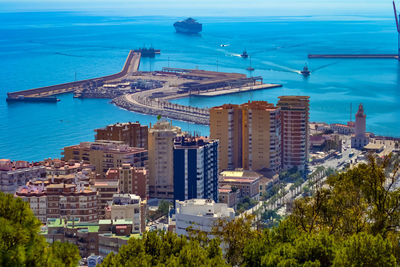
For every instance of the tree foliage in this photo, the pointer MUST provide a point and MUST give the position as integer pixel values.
(20, 241)
(166, 249)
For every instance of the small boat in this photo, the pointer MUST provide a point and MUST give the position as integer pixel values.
(305, 72)
(224, 45)
(244, 54)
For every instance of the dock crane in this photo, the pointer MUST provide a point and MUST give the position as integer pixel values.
(396, 16)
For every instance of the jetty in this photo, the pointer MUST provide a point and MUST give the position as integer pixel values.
(149, 92)
(240, 90)
(131, 65)
(355, 56)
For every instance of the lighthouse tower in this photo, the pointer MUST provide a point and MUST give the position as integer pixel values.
(360, 139)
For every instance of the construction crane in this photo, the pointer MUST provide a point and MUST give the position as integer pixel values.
(396, 15)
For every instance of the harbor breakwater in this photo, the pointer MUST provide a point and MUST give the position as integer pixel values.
(166, 109)
(131, 65)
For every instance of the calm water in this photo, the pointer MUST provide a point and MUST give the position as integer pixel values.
(39, 49)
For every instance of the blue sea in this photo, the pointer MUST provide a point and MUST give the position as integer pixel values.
(39, 49)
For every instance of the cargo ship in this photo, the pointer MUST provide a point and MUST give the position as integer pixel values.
(148, 52)
(188, 26)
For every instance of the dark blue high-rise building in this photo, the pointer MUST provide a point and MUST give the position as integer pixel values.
(195, 168)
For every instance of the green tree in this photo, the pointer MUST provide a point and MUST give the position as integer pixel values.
(63, 254)
(20, 241)
(233, 235)
(365, 250)
(166, 249)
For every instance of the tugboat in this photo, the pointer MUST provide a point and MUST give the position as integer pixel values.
(244, 54)
(305, 72)
(188, 26)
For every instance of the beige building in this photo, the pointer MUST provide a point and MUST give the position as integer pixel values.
(295, 130)
(106, 189)
(248, 182)
(134, 180)
(249, 136)
(226, 126)
(161, 159)
(60, 200)
(129, 207)
(261, 136)
(104, 155)
(132, 134)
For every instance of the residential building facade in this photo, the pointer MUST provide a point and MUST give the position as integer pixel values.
(134, 180)
(195, 168)
(104, 155)
(295, 131)
(226, 126)
(200, 214)
(132, 134)
(161, 158)
(248, 182)
(14, 174)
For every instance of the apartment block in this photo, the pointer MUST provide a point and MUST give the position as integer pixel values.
(200, 214)
(129, 207)
(61, 200)
(14, 174)
(134, 180)
(295, 131)
(195, 168)
(249, 135)
(104, 155)
(161, 158)
(226, 126)
(261, 136)
(56, 167)
(132, 134)
(106, 189)
(247, 182)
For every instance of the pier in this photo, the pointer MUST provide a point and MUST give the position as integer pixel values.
(149, 92)
(131, 65)
(355, 56)
(240, 90)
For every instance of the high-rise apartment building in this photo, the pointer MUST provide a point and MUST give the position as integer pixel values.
(161, 158)
(132, 134)
(249, 135)
(295, 130)
(261, 132)
(195, 168)
(104, 155)
(226, 126)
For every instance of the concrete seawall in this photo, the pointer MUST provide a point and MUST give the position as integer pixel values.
(131, 65)
(191, 117)
(355, 56)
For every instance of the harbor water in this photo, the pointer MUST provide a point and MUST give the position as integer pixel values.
(40, 49)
